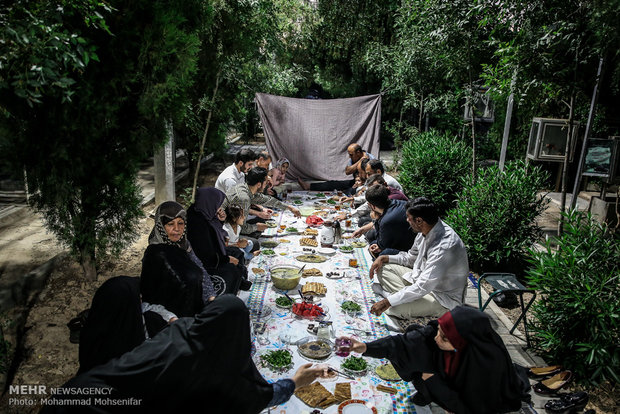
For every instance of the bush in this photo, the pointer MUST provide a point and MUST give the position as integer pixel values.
(495, 216)
(433, 165)
(576, 323)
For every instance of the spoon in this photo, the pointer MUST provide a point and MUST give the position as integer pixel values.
(302, 268)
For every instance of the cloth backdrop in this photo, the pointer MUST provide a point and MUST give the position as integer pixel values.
(313, 134)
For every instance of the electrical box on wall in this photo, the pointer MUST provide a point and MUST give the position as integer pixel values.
(601, 158)
(549, 140)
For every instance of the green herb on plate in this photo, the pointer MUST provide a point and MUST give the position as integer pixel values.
(281, 358)
(331, 201)
(347, 249)
(349, 306)
(284, 302)
(291, 230)
(268, 252)
(355, 363)
(320, 195)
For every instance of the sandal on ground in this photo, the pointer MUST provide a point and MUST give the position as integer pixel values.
(539, 372)
(568, 403)
(551, 386)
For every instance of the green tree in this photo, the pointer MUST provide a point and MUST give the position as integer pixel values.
(433, 165)
(80, 142)
(496, 215)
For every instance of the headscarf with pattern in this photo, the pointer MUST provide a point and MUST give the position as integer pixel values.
(166, 212)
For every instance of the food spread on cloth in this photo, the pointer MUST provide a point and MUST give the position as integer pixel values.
(314, 288)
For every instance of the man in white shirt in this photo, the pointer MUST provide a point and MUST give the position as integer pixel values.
(376, 167)
(235, 174)
(431, 277)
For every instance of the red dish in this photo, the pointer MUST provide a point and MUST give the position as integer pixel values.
(307, 310)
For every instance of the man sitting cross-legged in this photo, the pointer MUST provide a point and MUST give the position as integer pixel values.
(431, 277)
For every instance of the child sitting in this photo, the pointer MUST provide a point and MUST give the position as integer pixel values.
(235, 217)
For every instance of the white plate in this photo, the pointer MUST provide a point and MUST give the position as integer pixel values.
(356, 407)
(326, 251)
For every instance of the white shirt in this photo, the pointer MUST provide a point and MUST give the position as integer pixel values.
(391, 181)
(439, 267)
(230, 177)
(233, 237)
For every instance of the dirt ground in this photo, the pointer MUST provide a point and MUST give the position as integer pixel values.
(49, 358)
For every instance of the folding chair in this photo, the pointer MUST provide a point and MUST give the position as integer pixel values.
(503, 283)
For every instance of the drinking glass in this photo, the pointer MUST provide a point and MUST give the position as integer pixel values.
(343, 347)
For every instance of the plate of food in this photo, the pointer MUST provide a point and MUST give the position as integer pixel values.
(311, 258)
(387, 372)
(308, 241)
(268, 252)
(350, 306)
(320, 195)
(309, 311)
(356, 407)
(271, 224)
(313, 348)
(258, 271)
(346, 248)
(311, 232)
(269, 244)
(334, 275)
(313, 288)
(284, 302)
(285, 241)
(291, 230)
(311, 272)
(358, 244)
(355, 366)
(279, 360)
(331, 201)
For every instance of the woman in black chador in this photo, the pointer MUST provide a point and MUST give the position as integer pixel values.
(458, 362)
(205, 231)
(118, 321)
(172, 275)
(198, 364)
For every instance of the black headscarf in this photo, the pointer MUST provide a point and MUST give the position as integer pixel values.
(196, 362)
(114, 324)
(483, 364)
(208, 201)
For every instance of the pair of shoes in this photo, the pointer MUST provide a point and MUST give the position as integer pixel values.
(245, 285)
(551, 386)
(568, 403)
(541, 372)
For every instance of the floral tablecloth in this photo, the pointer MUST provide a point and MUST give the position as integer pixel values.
(283, 328)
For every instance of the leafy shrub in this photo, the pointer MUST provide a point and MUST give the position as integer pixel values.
(576, 324)
(495, 216)
(433, 165)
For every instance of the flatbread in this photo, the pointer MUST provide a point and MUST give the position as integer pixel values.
(311, 272)
(327, 402)
(313, 394)
(314, 287)
(342, 392)
(258, 271)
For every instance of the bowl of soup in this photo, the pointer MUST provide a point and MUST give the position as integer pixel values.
(285, 277)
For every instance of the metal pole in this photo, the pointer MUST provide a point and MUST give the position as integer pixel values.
(511, 100)
(582, 157)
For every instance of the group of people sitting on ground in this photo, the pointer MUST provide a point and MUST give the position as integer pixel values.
(177, 337)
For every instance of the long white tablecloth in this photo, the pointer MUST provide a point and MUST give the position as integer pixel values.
(283, 327)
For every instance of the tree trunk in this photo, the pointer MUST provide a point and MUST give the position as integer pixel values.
(421, 113)
(204, 137)
(88, 263)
